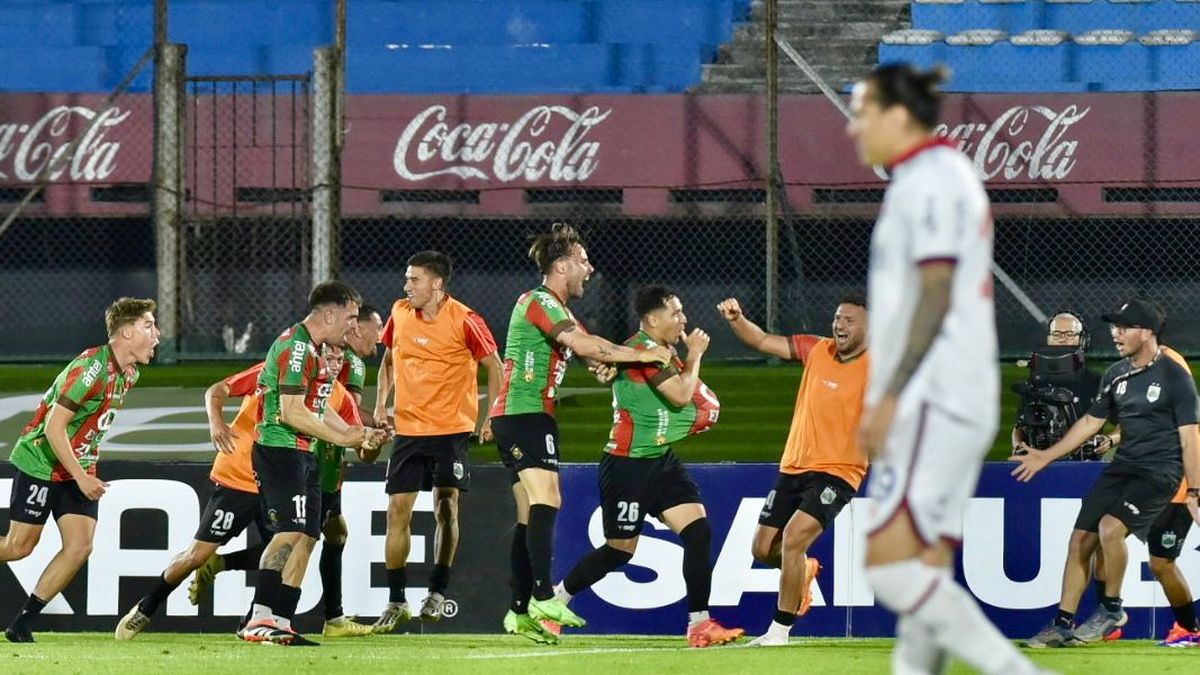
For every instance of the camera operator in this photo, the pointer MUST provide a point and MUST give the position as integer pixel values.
(1059, 389)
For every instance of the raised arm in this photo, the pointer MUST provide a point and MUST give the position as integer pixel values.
(751, 335)
(595, 347)
(679, 388)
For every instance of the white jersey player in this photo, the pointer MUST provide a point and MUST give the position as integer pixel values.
(933, 389)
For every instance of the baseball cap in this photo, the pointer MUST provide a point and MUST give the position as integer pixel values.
(1137, 313)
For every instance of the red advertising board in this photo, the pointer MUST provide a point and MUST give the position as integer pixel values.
(1078, 144)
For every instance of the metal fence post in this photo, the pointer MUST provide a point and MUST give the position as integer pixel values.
(773, 178)
(169, 70)
(324, 175)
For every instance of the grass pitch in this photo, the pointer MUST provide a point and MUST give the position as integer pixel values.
(211, 654)
(756, 410)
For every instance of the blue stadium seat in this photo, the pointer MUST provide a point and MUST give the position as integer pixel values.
(1175, 14)
(657, 68)
(1174, 65)
(663, 21)
(38, 25)
(53, 69)
(112, 24)
(479, 69)
(1007, 67)
(953, 16)
(1081, 16)
(492, 22)
(219, 23)
(1113, 67)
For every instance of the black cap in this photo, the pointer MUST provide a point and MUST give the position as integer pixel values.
(1137, 314)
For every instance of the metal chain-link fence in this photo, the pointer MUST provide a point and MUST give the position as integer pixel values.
(245, 235)
(75, 171)
(1077, 113)
(1073, 111)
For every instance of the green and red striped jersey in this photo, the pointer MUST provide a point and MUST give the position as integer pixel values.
(534, 361)
(93, 387)
(292, 368)
(644, 421)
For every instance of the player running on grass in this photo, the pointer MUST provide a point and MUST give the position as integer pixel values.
(822, 465)
(542, 337)
(57, 453)
(233, 505)
(641, 475)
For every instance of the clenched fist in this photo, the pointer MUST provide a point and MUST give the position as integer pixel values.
(697, 342)
(730, 309)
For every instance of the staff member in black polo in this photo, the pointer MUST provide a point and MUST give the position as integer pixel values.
(1153, 399)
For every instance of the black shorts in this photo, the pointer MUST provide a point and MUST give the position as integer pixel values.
(527, 441)
(1129, 494)
(33, 500)
(289, 488)
(820, 495)
(425, 462)
(331, 506)
(226, 514)
(1168, 531)
(632, 488)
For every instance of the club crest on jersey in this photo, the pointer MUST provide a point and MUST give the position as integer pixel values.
(1152, 392)
(1121, 388)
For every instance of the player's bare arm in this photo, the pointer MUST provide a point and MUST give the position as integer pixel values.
(682, 387)
(751, 334)
(495, 379)
(222, 435)
(595, 347)
(296, 415)
(383, 387)
(60, 442)
(1035, 460)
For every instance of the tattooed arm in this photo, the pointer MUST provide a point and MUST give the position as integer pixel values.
(936, 279)
(595, 347)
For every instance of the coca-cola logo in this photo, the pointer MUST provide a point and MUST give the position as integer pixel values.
(547, 141)
(1008, 148)
(27, 149)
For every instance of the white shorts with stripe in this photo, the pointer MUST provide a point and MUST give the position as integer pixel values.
(929, 467)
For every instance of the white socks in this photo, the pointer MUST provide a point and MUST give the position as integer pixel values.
(777, 629)
(929, 597)
(697, 617)
(560, 592)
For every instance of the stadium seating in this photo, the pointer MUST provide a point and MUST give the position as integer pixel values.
(1055, 45)
(417, 46)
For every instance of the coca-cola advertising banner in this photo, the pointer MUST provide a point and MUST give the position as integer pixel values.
(1077, 143)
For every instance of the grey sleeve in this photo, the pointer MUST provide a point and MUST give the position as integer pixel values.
(1184, 402)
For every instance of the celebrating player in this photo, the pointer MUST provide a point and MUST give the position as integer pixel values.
(641, 475)
(933, 386)
(433, 345)
(57, 453)
(822, 463)
(289, 487)
(542, 336)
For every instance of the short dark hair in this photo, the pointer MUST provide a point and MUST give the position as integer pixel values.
(548, 247)
(916, 90)
(365, 312)
(332, 293)
(853, 298)
(436, 262)
(650, 298)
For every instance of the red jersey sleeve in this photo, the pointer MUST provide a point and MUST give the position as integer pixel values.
(244, 383)
(478, 337)
(386, 337)
(802, 346)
